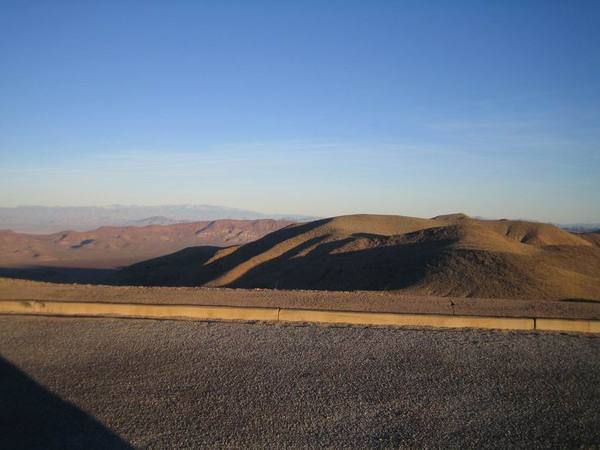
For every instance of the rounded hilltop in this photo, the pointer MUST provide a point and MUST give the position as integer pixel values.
(453, 255)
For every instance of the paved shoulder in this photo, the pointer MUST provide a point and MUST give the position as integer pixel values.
(164, 384)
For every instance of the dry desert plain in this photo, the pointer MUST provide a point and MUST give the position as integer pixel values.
(130, 383)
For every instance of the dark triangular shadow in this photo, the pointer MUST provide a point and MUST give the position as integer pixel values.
(31, 417)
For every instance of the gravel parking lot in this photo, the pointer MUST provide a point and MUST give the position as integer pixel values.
(114, 383)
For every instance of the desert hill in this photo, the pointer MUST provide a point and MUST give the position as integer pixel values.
(111, 247)
(593, 237)
(452, 255)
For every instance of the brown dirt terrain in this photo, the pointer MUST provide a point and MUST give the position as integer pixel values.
(452, 255)
(367, 301)
(112, 247)
(593, 237)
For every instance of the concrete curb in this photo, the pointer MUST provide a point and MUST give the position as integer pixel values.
(416, 320)
(575, 325)
(200, 312)
(136, 310)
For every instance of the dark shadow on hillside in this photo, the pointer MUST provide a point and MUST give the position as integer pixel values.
(188, 267)
(31, 417)
(54, 274)
(182, 268)
(263, 244)
(380, 268)
(313, 264)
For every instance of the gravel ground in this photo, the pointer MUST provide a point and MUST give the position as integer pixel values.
(110, 383)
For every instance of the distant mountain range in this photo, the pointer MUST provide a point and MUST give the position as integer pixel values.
(44, 219)
(581, 227)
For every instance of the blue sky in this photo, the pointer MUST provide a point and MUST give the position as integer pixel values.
(319, 108)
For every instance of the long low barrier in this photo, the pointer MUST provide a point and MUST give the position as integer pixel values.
(203, 312)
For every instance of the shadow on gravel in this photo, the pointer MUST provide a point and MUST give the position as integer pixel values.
(31, 417)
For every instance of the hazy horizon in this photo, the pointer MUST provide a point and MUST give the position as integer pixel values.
(318, 110)
(256, 214)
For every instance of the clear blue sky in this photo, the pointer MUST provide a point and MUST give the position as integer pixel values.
(321, 108)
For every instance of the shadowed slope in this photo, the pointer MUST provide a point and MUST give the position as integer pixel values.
(300, 240)
(182, 268)
(448, 255)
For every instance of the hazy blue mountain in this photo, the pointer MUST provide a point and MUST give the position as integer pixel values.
(582, 227)
(44, 219)
(156, 220)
